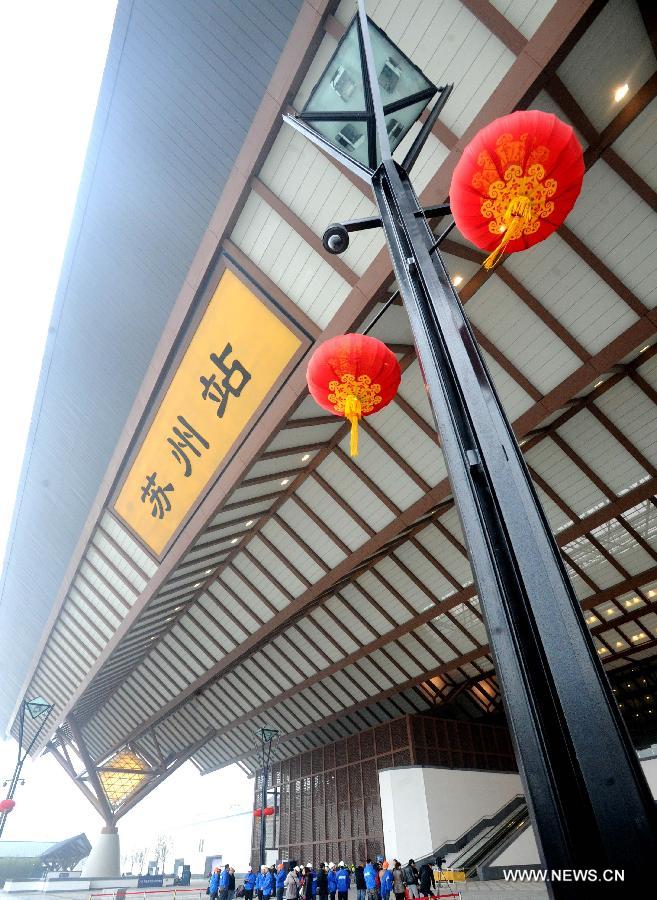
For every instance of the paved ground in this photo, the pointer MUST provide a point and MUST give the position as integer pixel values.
(472, 890)
(496, 890)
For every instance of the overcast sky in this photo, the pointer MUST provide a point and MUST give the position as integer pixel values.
(50, 807)
(52, 54)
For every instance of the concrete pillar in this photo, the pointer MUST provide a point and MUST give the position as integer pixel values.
(104, 861)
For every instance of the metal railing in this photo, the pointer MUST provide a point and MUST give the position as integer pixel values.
(120, 893)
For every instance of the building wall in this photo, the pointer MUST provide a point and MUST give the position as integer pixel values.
(328, 802)
(424, 807)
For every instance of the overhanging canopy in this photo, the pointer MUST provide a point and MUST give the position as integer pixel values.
(323, 595)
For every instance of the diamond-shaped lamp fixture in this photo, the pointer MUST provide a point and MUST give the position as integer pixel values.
(267, 734)
(340, 109)
(37, 707)
(122, 775)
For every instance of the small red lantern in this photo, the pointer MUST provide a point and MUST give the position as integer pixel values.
(268, 811)
(353, 375)
(516, 182)
(257, 813)
(6, 806)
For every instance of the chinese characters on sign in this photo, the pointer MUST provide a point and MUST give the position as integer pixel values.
(239, 350)
(157, 496)
(187, 441)
(219, 392)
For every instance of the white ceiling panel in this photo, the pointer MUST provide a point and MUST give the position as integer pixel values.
(353, 490)
(569, 289)
(330, 512)
(383, 471)
(606, 456)
(525, 15)
(521, 336)
(313, 535)
(279, 251)
(628, 58)
(416, 448)
(620, 228)
(564, 477)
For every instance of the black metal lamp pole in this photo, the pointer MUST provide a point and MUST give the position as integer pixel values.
(266, 736)
(589, 801)
(37, 708)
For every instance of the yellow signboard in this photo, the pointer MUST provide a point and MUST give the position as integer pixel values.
(237, 353)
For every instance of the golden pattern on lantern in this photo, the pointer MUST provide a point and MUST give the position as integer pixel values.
(515, 205)
(122, 775)
(361, 387)
(353, 398)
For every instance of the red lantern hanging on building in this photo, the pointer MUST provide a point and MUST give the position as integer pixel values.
(6, 806)
(268, 811)
(516, 182)
(257, 813)
(353, 375)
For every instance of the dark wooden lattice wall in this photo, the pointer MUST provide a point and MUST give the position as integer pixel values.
(327, 800)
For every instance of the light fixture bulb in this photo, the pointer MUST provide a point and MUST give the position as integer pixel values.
(620, 92)
(305, 457)
(458, 279)
(249, 523)
(285, 481)
(234, 541)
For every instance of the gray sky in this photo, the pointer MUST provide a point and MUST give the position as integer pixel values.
(52, 56)
(50, 807)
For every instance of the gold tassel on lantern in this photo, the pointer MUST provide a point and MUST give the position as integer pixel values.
(353, 412)
(517, 216)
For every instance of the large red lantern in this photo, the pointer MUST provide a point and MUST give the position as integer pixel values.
(353, 375)
(257, 813)
(268, 811)
(6, 806)
(516, 182)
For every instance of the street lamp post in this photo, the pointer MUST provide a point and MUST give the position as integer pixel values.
(38, 709)
(587, 795)
(266, 736)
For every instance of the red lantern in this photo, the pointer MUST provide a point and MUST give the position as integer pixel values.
(353, 375)
(516, 182)
(257, 813)
(6, 806)
(268, 811)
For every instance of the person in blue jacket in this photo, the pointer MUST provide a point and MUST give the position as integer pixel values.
(281, 875)
(386, 882)
(249, 883)
(224, 883)
(213, 887)
(268, 883)
(343, 881)
(259, 878)
(332, 881)
(369, 873)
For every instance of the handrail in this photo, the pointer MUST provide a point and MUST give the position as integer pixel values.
(121, 892)
(161, 890)
(488, 821)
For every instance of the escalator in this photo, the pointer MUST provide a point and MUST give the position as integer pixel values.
(491, 842)
(484, 841)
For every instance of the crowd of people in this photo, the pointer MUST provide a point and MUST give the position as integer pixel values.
(372, 880)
